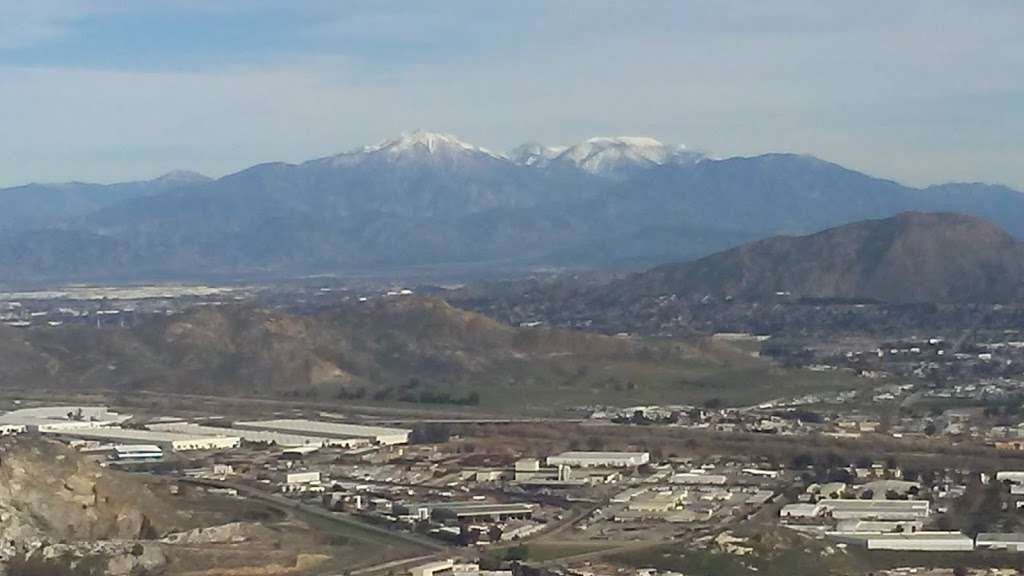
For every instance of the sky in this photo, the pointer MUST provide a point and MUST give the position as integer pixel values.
(923, 92)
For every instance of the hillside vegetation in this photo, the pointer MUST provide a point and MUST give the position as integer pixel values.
(404, 349)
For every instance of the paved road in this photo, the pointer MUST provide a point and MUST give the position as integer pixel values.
(337, 517)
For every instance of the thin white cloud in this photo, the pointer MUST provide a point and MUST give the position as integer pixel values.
(917, 91)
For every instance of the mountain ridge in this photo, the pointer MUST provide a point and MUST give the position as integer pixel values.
(430, 199)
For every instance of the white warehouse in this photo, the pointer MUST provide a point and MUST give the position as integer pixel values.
(166, 440)
(283, 439)
(58, 418)
(379, 434)
(876, 509)
(600, 459)
(922, 541)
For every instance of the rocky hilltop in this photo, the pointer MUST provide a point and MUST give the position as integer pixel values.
(57, 507)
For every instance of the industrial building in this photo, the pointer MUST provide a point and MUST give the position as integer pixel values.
(1008, 542)
(138, 452)
(922, 541)
(876, 509)
(451, 568)
(600, 459)
(11, 429)
(378, 434)
(165, 440)
(282, 439)
(52, 419)
(801, 510)
(698, 477)
(480, 511)
(1010, 476)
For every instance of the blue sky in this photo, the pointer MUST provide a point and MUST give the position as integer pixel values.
(920, 91)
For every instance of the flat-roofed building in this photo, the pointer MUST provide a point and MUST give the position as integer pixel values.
(167, 440)
(432, 568)
(378, 434)
(138, 452)
(282, 439)
(11, 429)
(922, 541)
(801, 511)
(876, 509)
(58, 418)
(698, 478)
(1011, 476)
(1013, 542)
(468, 510)
(451, 568)
(600, 459)
(302, 477)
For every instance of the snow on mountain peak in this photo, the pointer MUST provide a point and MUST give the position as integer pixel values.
(430, 142)
(607, 155)
(534, 153)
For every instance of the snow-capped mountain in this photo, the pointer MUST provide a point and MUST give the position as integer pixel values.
(611, 157)
(417, 146)
(535, 154)
(426, 199)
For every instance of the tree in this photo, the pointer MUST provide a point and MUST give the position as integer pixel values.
(802, 461)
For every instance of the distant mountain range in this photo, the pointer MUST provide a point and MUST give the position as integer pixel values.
(427, 199)
(912, 257)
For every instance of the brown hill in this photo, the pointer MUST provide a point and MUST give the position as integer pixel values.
(406, 349)
(912, 257)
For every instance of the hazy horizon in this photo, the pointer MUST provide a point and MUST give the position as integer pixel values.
(919, 92)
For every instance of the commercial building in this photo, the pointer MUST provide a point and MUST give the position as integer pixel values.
(165, 440)
(1010, 476)
(922, 541)
(322, 429)
(698, 478)
(302, 477)
(138, 452)
(57, 418)
(600, 459)
(282, 439)
(876, 509)
(479, 511)
(801, 511)
(451, 568)
(1008, 542)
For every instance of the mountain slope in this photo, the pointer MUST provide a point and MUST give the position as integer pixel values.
(47, 205)
(428, 199)
(913, 257)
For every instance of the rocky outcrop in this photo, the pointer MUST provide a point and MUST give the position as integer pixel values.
(56, 506)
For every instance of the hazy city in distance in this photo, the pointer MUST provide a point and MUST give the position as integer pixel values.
(657, 288)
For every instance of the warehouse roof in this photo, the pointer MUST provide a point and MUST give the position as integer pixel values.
(116, 433)
(280, 438)
(318, 427)
(600, 455)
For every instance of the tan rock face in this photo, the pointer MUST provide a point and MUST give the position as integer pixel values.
(49, 493)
